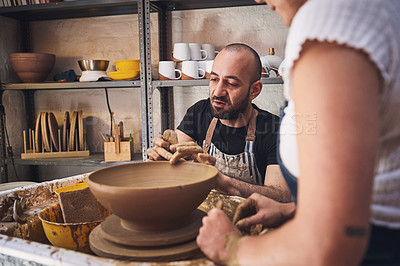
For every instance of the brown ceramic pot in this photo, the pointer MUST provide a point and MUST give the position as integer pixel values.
(32, 67)
(150, 196)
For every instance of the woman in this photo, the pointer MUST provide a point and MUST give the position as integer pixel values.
(342, 83)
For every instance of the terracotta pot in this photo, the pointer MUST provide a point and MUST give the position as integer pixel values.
(32, 67)
(150, 196)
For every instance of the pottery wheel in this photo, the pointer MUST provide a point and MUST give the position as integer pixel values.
(113, 231)
(104, 248)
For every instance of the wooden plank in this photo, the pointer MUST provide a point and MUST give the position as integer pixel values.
(46, 155)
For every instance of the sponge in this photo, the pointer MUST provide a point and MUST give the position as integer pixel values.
(79, 206)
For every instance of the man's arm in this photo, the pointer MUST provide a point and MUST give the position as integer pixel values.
(183, 137)
(274, 186)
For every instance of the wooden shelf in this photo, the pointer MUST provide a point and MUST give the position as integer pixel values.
(71, 85)
(96, 159)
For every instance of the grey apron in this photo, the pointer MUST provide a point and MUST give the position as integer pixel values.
(240, 166)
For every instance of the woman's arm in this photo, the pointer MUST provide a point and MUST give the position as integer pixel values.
(338, 88)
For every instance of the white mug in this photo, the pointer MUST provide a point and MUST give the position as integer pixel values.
(196, 53)
(191, 70)
(210, 49)
(167, 70)
(181, 52)
(207, 66)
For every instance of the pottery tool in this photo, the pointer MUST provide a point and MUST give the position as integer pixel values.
(116, 132)
(80, 130)
(79, 206)
(53, 128)
(65, 131)
(72, 128)
(45, 132)
(38, 133)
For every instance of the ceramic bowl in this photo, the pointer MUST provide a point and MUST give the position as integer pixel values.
(151, 196)
(127, 65)
(73, 236)
(32, 67)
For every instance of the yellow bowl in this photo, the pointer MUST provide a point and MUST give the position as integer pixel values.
(72, 187)
(124, 75)
(127, 65)
(73, 236)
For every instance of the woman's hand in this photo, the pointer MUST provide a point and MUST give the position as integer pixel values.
(213, 236)
(258, 209)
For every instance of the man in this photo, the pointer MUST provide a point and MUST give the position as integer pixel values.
(237, 133)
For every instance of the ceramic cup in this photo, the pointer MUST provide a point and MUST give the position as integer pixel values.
(167, 70)
(207, 66)
(181, 52)
(196, 53)
(210, 49)
(191, 70)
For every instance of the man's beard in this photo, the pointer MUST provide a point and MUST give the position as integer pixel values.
(231, 113)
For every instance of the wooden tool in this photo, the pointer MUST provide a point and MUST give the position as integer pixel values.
(116, 132)
(38, 133)
(45, 132)
(80, 131)
(65, 131)
(53, 129)
(72, 128)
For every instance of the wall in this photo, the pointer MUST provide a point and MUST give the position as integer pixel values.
(256, 26)
(116, 38)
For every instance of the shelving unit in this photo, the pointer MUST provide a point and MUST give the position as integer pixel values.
(92, 8)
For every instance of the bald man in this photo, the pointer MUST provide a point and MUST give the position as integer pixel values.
(236, 132)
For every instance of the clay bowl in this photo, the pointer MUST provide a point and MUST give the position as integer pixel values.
(32, 67)
(73, 236)
(152, 196)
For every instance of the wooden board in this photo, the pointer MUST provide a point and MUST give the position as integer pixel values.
(53, 129)
(45, 131)
(72, 128)
(38, 134)
(80, 131)
(65, 131)
(62, 154)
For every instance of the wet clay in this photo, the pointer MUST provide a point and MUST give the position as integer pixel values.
(114, 232)
(79, 206)
(152, 196)
(102, 247)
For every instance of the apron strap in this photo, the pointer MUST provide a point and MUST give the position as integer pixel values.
(251, 136)
(251, 131)
(210, 133)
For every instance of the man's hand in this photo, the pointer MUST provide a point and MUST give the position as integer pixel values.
(167, 148)
(159, 151)
(258, 209)
(218, 237)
